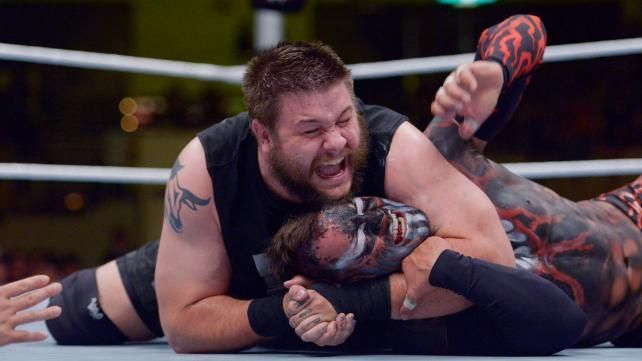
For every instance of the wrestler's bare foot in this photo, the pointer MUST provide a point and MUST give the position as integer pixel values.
(116, 304)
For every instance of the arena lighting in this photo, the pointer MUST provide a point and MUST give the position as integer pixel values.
(466, 3)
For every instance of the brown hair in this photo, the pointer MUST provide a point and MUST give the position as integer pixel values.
(289, 67)
(288, 247)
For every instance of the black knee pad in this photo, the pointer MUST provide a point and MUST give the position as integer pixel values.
(136, 270)
(82, 321)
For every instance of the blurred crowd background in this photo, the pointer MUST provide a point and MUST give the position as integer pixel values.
(583, 109)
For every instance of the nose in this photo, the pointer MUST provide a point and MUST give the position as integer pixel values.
(334, 140)
(372, 219)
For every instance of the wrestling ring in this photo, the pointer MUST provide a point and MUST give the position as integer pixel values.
(159, 349)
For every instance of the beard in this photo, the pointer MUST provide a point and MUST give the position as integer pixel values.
(296, 179)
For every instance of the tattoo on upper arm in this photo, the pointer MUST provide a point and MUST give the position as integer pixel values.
(177, 196)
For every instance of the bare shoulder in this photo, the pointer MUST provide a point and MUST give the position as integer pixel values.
(191, 250)
(417, 174)
(189, 195)
(192, 160)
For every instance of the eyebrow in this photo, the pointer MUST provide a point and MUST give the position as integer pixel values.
(313, 120)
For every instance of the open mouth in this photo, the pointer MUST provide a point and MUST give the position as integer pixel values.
(331, 168)
(399, 227)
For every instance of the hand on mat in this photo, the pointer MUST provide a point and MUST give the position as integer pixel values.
(470, 91)
(19, 296)
(416, 269)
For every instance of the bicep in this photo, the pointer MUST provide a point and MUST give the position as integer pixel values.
(192, 261)
(417, 174)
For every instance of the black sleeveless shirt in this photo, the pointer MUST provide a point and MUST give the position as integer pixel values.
(249, 213)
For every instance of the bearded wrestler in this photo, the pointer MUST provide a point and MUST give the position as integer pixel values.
(114, 292)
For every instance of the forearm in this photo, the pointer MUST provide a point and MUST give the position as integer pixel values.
(517, 313)
(439, 302)
(214, 324)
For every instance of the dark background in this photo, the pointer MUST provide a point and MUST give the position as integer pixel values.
(582, 109)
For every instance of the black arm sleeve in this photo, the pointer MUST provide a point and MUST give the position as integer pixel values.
(516, 312)
(517, 44)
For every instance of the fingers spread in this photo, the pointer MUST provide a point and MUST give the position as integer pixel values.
(39, 315)
(33, 298)
(23, 286)
(22, 336)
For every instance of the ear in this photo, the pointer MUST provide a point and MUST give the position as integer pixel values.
(262, 134)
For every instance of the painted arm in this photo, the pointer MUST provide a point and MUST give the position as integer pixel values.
(418, 175)
(516, 312)
(193, 269)
(486, 92)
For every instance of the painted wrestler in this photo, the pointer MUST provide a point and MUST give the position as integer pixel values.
(592, 250)
(347, 243)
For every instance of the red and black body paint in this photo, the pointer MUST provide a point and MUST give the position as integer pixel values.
(591, 249)
(518, 45)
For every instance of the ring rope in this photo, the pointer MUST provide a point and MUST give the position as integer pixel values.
(83, 173)
(436, 64)
(123, 63)
(234, 74)
(138, 175)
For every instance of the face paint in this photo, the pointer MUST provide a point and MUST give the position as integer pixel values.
(367, 238)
